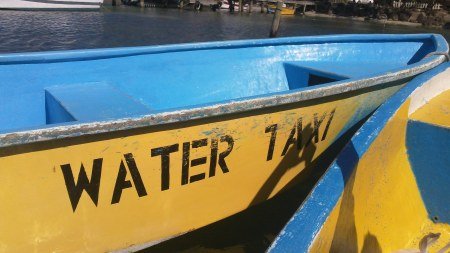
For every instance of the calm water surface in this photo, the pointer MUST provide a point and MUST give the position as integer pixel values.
(249, 231)
(40, 31)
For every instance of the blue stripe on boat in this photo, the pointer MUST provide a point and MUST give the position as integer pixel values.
(429, 155)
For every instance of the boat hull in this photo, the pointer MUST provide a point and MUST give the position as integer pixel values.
(51, 4)
(386, 191)
(96, 158)
(131, 195)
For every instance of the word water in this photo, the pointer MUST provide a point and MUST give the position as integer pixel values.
(92, 186)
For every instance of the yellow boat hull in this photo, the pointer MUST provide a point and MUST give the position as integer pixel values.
(139, 187)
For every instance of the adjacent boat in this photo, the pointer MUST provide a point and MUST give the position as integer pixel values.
(50, 4)
(122, 148)
(388, 190)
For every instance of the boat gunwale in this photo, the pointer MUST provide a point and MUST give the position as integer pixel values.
(272, 100)
(108, 53)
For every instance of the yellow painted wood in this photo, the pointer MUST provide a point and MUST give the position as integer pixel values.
(323, 241)
(435, 111)
(381, 209)
(36, 214)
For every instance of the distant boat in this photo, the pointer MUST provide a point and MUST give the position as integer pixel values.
(389, 189)
(50, 4)
(288, 9)
(225, 6)
(123, 148)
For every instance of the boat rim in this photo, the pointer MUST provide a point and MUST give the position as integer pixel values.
(170, 116)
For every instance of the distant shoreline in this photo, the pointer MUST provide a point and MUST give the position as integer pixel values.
(384, 21)
(351, 18)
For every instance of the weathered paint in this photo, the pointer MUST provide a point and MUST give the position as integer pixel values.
(105, 189)
(136, 199)
(370, 200)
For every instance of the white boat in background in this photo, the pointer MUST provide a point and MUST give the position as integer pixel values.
(225, 6)
(50, 4)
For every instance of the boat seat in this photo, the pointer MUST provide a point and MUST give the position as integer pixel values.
(89, 102)
(299, 76)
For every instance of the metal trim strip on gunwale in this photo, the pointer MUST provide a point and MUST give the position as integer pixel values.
(224, 108)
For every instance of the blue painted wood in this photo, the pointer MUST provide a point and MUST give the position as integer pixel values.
(164, 78)
(429, 154)
(300, 231)
(299, 77)
(90, 102)
(55, 113)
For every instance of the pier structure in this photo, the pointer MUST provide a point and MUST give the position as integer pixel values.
(305, 4)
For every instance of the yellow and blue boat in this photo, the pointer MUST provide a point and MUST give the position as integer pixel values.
(388, 190)
(119, 149)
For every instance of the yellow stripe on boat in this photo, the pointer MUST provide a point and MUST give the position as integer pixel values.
(229, 166)
(437, 112)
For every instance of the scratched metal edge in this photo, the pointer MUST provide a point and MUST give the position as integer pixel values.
(224, 108)
(320, 202)
(91, 128)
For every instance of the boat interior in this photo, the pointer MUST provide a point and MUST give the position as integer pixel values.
(39, 90)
